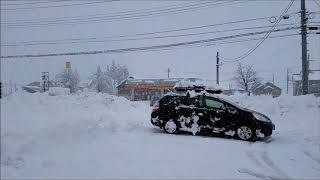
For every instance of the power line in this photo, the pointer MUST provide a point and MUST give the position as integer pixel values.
(103, 16)
(148, 47)
(250, 51)
(164, 31)
(252, 39)
(99, 14)
(32, 3)
(121, 16)
(316, 3)
(55, 6)
(97, 40)
(212, 44)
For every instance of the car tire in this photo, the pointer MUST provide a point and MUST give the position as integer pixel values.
(170, 127)
(246, 133)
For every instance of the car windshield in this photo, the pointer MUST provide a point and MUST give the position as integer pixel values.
(232, 103)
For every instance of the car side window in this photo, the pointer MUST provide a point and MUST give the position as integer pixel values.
(212, 103)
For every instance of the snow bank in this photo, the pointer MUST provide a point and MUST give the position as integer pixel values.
(40, 111)
(54, 91)
(99, 136)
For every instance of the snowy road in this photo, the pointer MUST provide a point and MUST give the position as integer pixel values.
(99, 136)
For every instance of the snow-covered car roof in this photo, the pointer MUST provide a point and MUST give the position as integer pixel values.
(198, 85)
(193, 93)
(132, 81)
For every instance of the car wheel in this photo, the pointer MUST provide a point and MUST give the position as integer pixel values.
(170, 127)
(246, 133)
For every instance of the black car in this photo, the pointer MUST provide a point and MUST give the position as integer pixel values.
(209, 113)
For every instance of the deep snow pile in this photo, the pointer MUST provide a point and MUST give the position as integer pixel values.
(90, 135)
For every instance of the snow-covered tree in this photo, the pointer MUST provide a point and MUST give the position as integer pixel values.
(101, 82)
(117, 73)
(246, 78)
(68, 79)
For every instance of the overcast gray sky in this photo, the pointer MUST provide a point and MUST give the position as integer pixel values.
(273, 56)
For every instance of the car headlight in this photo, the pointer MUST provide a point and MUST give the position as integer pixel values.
(261, 117)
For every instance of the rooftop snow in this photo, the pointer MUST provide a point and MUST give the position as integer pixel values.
(153, 81)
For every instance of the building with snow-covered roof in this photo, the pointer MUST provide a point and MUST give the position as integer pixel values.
(145, 89)
(267, 89)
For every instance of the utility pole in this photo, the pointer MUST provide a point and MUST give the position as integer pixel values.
(308, 62)
(168, 73)
(305, 72)
(217, 68)
(272, 78)
(287, 81)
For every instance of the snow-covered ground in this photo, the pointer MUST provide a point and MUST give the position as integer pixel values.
(91, 135)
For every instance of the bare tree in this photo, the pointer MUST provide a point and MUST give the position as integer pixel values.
(246, 78)
(68, 79)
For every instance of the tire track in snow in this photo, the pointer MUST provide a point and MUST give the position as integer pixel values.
(263, 161)
(308, 154)
(255, 157)
(269, 162)
(251, 155)
(258, 175)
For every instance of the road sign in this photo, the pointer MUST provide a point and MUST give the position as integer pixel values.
(68, 64)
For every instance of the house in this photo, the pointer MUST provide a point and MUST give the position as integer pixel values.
(145, 89)
(313, 83)
(267, 89)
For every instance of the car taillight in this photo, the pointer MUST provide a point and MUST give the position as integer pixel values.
(156, 107)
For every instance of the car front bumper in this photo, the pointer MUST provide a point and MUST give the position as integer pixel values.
(156, 122)
(266, 127)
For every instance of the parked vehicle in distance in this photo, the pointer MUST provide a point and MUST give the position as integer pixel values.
(208, 113)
